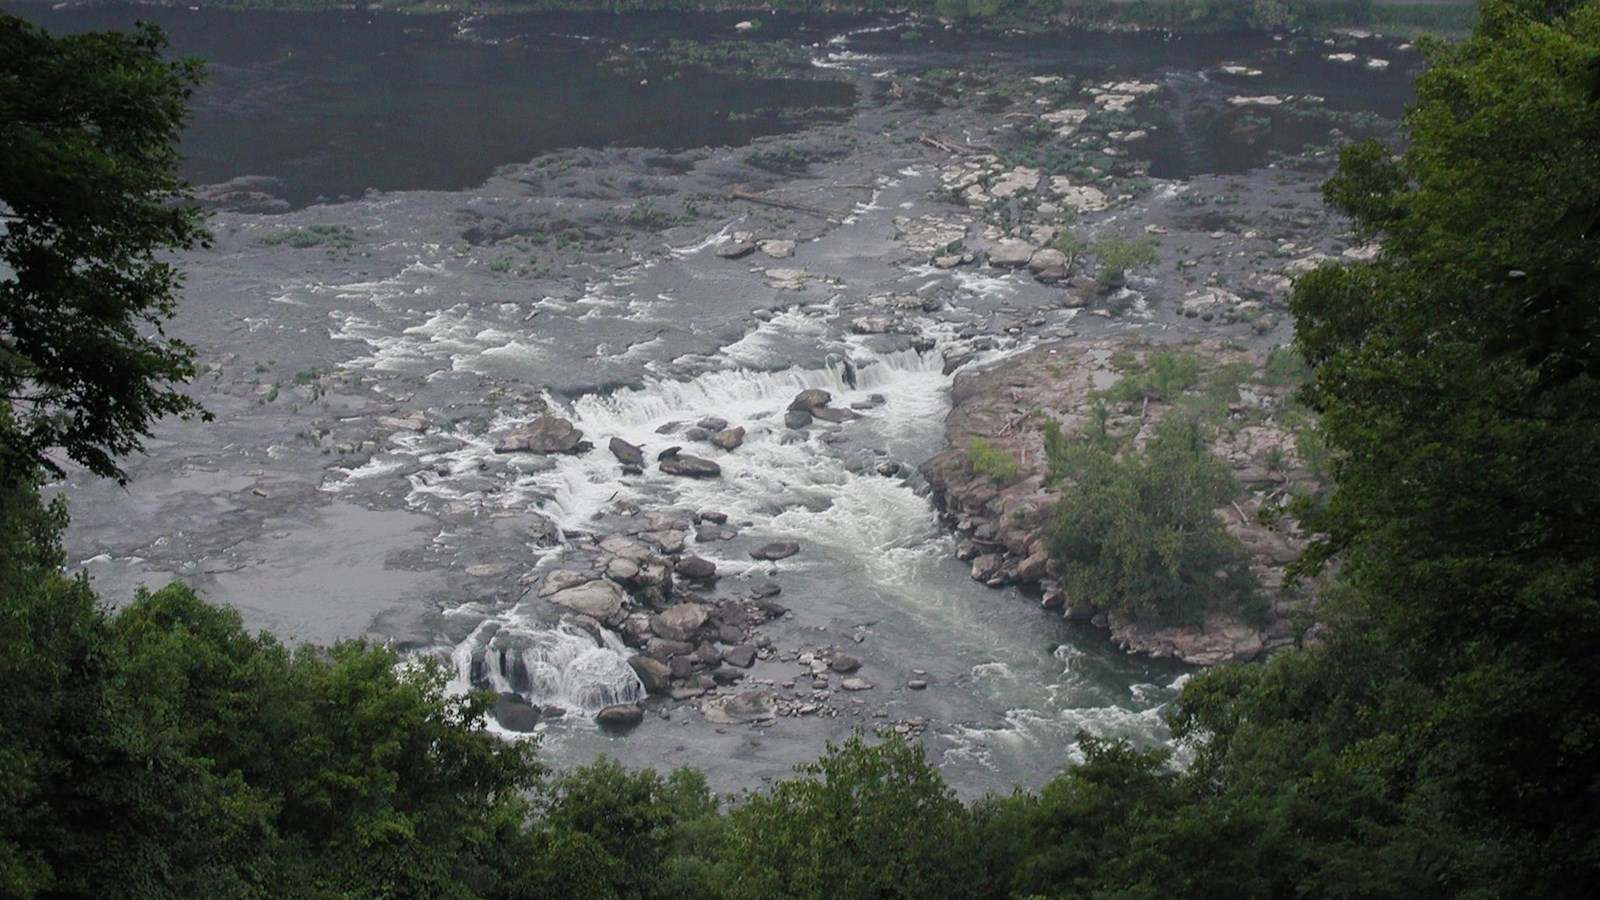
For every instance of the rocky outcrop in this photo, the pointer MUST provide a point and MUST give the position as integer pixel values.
(1001, 524)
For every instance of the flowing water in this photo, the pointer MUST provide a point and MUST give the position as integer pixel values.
(334, 106)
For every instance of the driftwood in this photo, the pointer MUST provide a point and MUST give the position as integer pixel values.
(933, 140)
(737, 194)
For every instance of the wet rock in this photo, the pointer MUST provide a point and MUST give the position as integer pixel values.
(743, 656)
(917, 684)
(829, 414)
(552, 712)
(696, 567)
(712, 423)
(685, 466)
(696, 433)
(600, 599)
(771, 610)
(515, 714)
(765, 589)
(810, 399)
(775, 550)
(653, 674)
(724, 675)
(627, 454)
(621, 716)
(680, 622)
(797, 418)
(843, 664)
(1011, 254)
(729, 438)
(546, 434)
(715, 518)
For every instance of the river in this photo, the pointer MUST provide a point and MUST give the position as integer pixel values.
(351, 487)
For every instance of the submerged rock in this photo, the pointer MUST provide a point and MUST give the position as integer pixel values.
(774, 551)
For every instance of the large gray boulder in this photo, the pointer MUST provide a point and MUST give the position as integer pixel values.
(680, 622)
(599, 599)
(515, 714)
(811, 399)
(626, 453)
(686, 466)
(621, 716)
(1011, 254)
(546, 434)
(653, 674)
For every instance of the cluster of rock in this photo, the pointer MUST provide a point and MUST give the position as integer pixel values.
(743, 243)
(1002, 524)
(662, 602)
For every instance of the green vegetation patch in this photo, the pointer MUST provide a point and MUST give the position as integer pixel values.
(336, 237)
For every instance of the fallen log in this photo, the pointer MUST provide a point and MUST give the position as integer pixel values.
(737, 194)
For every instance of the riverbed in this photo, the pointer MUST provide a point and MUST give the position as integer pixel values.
(431, 232)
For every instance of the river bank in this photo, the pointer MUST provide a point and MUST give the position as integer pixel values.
(387, 374)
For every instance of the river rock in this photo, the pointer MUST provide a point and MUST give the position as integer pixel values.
(776, 550)
(696, 567)
(1034, 567)
(712, 423)
(621, 716)
(811, 399)
(515, 714)
(743, 656)
(856, 684)
(686, 466)
(627, 453)
(745, 706)
(546, 434)
(917, 684)
(986, 567)
(729, 438)
(561, 579)
(829, 414)
(1011, 254)
(777, 249)
(797, 418)
(1049, 266)
(599, 599)
(653, 674)
(736, 249)
(843, 664)
(680, 622)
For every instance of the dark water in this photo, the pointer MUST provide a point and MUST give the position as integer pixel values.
(330, 105)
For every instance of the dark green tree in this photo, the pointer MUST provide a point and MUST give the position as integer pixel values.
(89, 203)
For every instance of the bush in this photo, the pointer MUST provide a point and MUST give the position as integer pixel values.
(991, 462)
(1137, 533)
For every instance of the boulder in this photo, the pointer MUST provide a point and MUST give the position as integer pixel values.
(797, 418)
(774, 551)
(743, 656)
(829, 414)
(843, 664)
(561, 579)
(1050, 266)
(515, 714)
(599, 599)
(621, 716)
(1011, 254)
(680, 622)
(626, 453)
(546, 434)
(1035, 567)
(654, 674)
(736, 249)
(777, 249)
(686, 466)
(729, 438)
(712, 423)
(696, 567)
(810, 399)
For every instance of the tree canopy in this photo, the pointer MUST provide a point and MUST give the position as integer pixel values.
(89, 203)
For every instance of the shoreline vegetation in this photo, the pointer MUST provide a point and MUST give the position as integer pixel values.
(1449, 17)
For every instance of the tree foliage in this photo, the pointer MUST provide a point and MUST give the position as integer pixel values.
(89, 201)
(1137, 532)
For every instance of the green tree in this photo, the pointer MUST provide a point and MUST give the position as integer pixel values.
(863, 821)
(1137, 533)
(89, 201)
